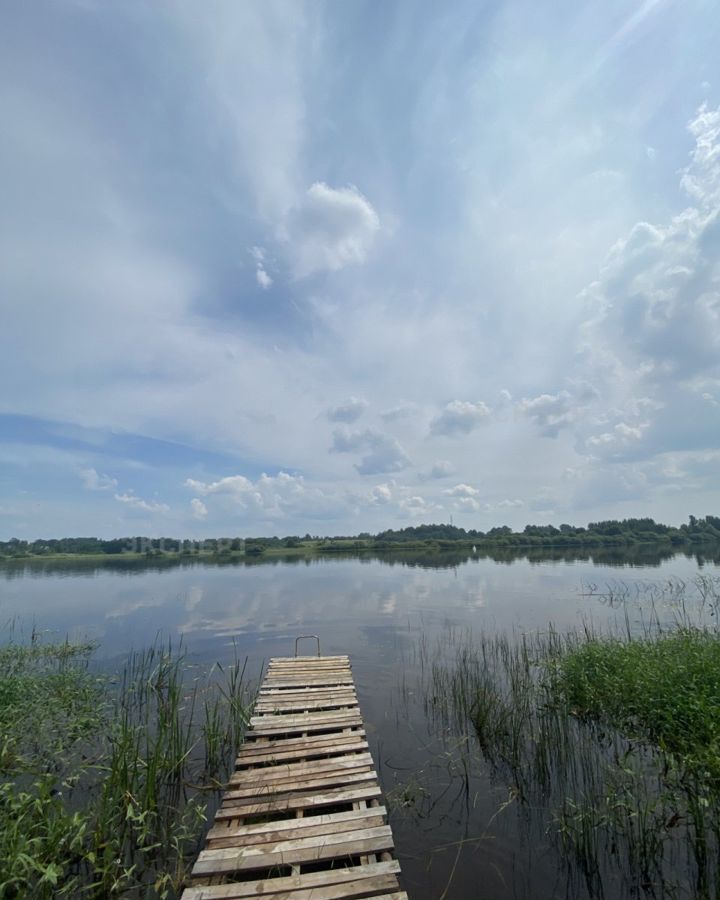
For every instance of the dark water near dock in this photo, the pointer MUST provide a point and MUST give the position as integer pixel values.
(458, 831)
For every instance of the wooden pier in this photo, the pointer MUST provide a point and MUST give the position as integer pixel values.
(301, 818)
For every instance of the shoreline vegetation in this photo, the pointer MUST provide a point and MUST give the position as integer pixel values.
(608, 741)
(107, 778)
(609, 534)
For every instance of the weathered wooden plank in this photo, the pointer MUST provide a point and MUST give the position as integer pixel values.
(337, 727)
(283, 682)
(287, 743)
(271, 832)
(299, 768)
(244, 807)
(323, 658)
(288, 707)
(366, 878)
(268, 780)
(301, 850)
(307, 669)
(337, 745)
(294, 722)
(321, 781)
(334, 694)
(292, 696)
(309, 661)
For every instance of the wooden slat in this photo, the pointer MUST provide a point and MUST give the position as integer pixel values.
(307, 727)
(243, 808)
(271, 832)
(283, 682)
(298, 771)
(359, 877)
(295, 852)
(262, 792)
(287, 707)
(337, 745)
(293, 722)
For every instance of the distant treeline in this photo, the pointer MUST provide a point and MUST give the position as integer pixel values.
(608, 533)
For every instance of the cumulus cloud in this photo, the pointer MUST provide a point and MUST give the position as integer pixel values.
(274, 496)
(382, 453)
(133, 502)
(199, 510)
(396, 413)
(94, 481)
(416, 507)
(459, 417)
(381, 494)
(462, 490)
(329, 229)
(348, 411)
(261, 275)
(622, 433)
(441, 468)
(657, 300)
(550, 412)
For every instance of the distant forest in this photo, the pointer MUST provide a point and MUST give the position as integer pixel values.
(612, 533)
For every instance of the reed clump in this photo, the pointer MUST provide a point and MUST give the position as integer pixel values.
(612, 739)
(106, 778)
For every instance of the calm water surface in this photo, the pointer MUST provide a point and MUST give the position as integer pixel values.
(452, 825)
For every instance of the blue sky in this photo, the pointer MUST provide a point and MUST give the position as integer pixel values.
(278, 267)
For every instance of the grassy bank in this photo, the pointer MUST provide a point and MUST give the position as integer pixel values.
(106, 779)
(609, 742)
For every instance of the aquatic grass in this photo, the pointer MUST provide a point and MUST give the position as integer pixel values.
(610, 740)
(664, 691)
(105, 778)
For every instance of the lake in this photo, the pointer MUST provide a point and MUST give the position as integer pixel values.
(455, 824)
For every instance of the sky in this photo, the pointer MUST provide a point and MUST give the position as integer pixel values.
(331, 267)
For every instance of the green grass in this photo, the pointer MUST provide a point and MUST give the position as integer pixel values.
(665, 691)
(105, 779)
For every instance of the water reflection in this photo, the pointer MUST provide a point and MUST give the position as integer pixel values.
(642, 555)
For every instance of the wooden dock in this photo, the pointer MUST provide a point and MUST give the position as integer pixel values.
(301, 818)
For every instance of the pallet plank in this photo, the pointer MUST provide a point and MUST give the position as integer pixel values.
(301, 850)
(359, 878)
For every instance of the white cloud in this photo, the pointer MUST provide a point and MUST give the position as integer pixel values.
(397, 413)
(657, 301)
(199, 510)
(381, 494)
(329, 229)
(459, 417)
(441, 468)
(261, 275)
(263, 279)
(550, 412)
(383, 453)
(130, 500)
(417, 507)
(95, 481)
(701, 179)
(462, 490)
(278, 496)
(348, 411)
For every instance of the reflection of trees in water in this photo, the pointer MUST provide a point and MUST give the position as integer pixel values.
(425, 558)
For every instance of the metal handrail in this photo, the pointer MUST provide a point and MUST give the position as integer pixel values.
(302, 637)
